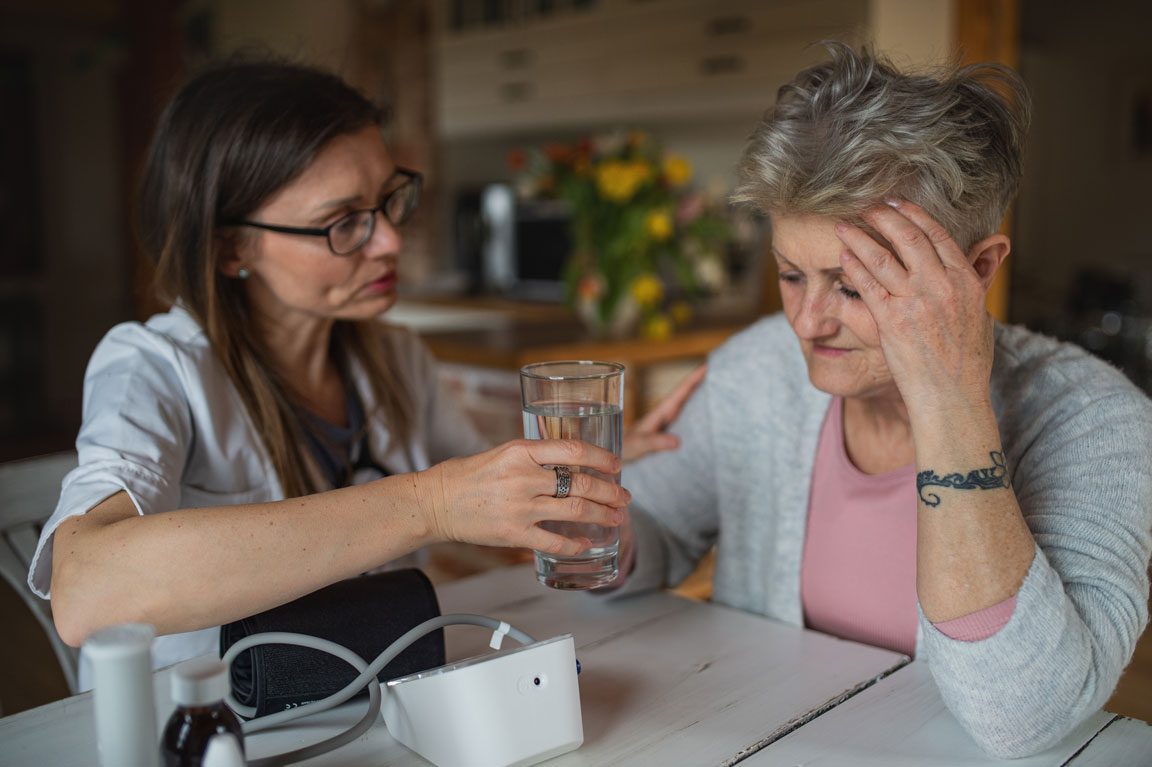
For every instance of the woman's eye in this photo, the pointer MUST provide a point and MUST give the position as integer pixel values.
(849, 293)
(790, 277)
(345, 225)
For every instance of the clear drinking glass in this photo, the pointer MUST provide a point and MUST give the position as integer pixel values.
(583, 400)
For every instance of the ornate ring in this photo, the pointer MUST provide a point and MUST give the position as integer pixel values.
(563, 481)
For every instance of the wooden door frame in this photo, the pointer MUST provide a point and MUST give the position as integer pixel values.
(989, 30)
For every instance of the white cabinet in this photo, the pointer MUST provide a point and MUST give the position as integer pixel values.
(631, 60)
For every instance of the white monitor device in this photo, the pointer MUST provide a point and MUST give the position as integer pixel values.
(506, 709)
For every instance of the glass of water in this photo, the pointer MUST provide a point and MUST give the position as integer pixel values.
(582, 400)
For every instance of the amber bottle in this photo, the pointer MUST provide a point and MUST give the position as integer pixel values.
(198, 688)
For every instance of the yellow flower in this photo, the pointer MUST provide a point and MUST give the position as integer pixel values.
(659, 225)
(658, 328)
(647, 290)
(618, 181)
(681, 313)
(677, 170)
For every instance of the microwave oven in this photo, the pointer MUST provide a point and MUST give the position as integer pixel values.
(513, 247)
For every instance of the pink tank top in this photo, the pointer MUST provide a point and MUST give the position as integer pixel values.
(858, 576)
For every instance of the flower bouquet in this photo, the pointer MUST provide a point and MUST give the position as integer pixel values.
(646, 244)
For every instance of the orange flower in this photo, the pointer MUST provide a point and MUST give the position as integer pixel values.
(558, 153)
(517, 160)
(590, 287)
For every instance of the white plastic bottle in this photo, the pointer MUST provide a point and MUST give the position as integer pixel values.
(122, 696)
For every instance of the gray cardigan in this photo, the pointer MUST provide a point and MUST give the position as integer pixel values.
(1078, 437)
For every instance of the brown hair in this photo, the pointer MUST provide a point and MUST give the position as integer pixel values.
(234, 135)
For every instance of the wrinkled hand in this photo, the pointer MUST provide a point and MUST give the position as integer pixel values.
(496, 498)
(649, 435)
(928, 304)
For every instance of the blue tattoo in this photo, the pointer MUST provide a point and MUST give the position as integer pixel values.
(991, 478)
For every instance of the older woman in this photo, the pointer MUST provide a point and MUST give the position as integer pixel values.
(267, 437)
(883, 461)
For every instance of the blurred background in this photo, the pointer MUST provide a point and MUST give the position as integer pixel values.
(472, 84)
(469, 81)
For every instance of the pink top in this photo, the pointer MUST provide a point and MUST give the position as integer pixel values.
(858, 576)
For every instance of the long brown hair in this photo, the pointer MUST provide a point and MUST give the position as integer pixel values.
(234, 135)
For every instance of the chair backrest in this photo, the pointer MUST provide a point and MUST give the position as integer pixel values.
(29, 490)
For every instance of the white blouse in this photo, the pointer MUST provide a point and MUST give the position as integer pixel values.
(163, 422)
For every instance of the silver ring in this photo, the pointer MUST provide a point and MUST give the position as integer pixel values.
(563, 481)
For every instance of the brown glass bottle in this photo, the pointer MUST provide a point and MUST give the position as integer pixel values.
(198, 688)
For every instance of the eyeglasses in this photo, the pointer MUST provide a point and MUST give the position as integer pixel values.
(348, 233)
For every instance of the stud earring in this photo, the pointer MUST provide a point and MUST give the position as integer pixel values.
(243, 273)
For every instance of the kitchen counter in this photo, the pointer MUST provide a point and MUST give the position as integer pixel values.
(515, 342)
(483, 343)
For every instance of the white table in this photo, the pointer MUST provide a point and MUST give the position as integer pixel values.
(901, 721)
(666, 681)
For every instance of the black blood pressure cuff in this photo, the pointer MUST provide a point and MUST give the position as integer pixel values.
(364, 614)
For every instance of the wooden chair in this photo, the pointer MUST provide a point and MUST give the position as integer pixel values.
(29, 490)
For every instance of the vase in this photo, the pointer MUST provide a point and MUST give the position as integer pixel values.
(622, 321)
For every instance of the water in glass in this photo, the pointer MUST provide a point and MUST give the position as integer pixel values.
(600, 424)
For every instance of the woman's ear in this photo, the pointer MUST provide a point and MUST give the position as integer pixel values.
(987, 255)
(231, 258)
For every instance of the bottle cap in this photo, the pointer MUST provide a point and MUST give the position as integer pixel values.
(199, 682)
(123, 640)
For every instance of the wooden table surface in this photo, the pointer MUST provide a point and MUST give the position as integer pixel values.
(665, 681)
(901, 721)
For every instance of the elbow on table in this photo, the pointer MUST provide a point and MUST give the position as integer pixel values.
(1017, 744)
(1015, 735)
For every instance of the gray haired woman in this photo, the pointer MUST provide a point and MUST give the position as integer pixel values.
(883, 461)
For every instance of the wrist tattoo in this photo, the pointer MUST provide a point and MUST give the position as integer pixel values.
(990, 478)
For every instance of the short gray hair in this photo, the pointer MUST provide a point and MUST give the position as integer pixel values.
(848, 133)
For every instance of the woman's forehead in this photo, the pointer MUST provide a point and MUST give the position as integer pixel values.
(810, 240)
(351, 166)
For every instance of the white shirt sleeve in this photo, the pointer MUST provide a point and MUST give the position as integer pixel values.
(135, 435)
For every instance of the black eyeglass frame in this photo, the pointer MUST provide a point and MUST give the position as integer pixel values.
(411, 177)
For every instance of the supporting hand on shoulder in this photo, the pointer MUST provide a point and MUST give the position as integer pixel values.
(649, 434)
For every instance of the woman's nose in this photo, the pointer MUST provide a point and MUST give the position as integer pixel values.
(815, 318)
(385, 239)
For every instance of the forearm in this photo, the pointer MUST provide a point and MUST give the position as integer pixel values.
(195, 568)
(973, 547)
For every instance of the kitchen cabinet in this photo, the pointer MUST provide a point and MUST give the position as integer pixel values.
(621, 61)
